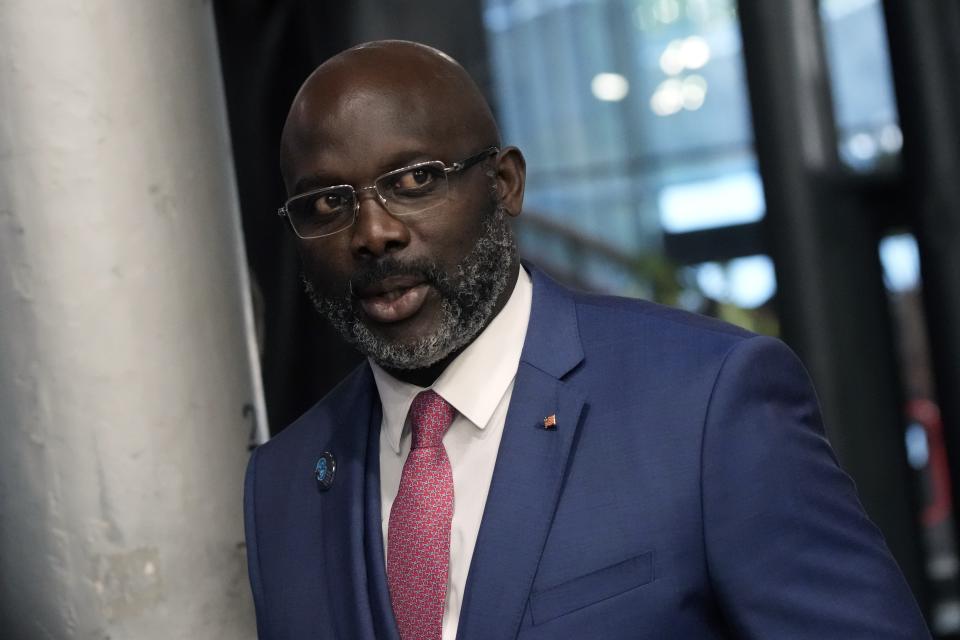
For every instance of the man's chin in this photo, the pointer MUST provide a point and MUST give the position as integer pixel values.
(404, 345)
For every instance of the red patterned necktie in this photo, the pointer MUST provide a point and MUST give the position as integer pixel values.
(418, 535)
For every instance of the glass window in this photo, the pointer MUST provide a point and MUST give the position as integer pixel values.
(634, 118)
(862, 83)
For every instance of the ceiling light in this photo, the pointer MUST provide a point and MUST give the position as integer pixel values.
(609, 87)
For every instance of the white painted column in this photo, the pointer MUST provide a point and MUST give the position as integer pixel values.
(128, 371)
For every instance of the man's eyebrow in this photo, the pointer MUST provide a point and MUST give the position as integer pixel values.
(405, 158)
(315, 181)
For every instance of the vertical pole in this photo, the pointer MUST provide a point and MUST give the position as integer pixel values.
(128, 371)
(925, 55)
(832, 304)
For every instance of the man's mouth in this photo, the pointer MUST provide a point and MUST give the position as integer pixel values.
(394, 298)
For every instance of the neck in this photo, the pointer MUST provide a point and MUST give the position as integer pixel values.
(426, 376)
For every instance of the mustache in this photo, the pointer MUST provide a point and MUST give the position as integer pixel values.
(427, 270)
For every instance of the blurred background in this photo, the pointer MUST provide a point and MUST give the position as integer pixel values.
(791, 167)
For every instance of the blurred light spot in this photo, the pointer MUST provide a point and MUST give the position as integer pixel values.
(752, 281)
(745, 282)
(918, 454)
(943, 567)
(690, 299)
(689, 53)
(735, 198)
(668, 98)
(946, 614)
(694, 92)
(671, 60)
(609, 87)
(891, 138)
(862, 146)
(712, 280)
(666, 11)
(900, 258)
(695, 52)
(496, 18)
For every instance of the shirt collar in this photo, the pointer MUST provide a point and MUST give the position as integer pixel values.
(476, 380)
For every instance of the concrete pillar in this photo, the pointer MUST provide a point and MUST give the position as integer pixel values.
(128, 372)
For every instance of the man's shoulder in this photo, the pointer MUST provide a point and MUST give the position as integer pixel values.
(605, 318)
(633, 315)
(639, 336)
(321, 422)
(636, 338)
(637, 315)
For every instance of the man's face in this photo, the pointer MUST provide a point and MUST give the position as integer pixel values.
(407, 291)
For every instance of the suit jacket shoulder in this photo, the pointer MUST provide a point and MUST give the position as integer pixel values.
(702, 474)
(322, 421)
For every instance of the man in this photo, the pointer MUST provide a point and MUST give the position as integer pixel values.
(517, 460)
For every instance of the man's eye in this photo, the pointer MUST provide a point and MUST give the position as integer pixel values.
(414, 179)
(329, 203)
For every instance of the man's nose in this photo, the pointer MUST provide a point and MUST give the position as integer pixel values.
(376, 232)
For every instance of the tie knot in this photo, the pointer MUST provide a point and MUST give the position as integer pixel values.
(430, 415)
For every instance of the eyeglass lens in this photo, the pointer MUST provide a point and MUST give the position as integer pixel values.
(402, 192)
(415, 189)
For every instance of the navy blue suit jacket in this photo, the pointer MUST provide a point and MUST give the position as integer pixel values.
(687, 491)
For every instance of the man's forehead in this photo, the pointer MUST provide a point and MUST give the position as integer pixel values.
(346, 111)
(369, 132)
(388, 89)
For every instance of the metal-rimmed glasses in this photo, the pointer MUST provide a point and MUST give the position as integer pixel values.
(419, 187)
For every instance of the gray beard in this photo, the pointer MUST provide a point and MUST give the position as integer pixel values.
(468, 300)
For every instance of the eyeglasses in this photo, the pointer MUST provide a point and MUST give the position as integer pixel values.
(413, 189)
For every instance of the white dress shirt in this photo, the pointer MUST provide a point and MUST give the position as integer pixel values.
(479, 385)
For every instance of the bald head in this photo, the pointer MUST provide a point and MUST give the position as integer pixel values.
(423, 258)
(394, 87)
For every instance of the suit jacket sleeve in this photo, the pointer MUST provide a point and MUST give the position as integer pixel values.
(790, 552)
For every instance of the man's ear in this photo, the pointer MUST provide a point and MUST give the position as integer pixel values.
(511, 178)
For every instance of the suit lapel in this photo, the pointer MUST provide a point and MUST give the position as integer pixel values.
(343, 511)
(530, 469)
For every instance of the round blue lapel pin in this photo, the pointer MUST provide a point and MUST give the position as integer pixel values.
(325, 470)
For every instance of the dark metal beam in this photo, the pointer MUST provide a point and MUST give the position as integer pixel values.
(824, 243)
(715, 245)
(925, 54)
(882, 196)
